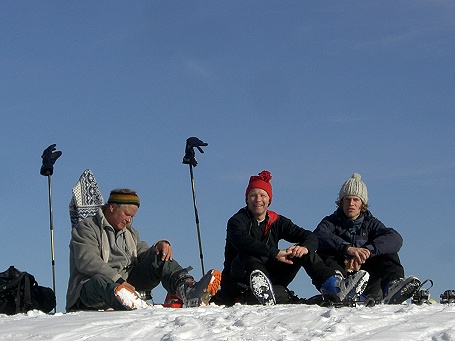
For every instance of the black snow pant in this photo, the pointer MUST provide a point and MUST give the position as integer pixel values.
(235, 281)
(382, 270)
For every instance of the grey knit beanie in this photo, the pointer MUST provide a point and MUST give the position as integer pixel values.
(354, 186)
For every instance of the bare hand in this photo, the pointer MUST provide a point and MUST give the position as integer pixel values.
(291, 252)
(359, 254)
(297, 251)
(165, 250)
(283, 256)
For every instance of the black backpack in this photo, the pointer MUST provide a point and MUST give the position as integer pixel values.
(19, 293)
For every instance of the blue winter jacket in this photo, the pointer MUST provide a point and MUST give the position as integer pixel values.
(336, 232)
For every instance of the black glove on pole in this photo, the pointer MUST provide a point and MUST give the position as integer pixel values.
(47, 169)
(190, 160)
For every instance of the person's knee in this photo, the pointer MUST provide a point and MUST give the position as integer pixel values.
(253, 263)
(95, 291)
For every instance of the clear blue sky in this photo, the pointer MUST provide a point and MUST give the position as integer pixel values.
(313, 91)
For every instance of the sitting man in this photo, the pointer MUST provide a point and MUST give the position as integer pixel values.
(351, 239)
(256, 270)
(109, 262)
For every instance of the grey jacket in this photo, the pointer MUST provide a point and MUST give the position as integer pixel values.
(90, 254)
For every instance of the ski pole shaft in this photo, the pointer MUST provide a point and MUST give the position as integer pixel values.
(51, 226)
(49, 157)
(197, 220)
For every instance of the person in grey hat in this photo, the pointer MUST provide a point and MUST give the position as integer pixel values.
(351, 239)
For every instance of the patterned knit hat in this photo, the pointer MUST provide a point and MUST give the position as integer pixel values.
(262, 181)
(354, 186)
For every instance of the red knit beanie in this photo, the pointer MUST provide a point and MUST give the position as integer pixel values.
(262, 181)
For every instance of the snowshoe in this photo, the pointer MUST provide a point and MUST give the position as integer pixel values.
(172, 301)
(447, 297)
(369, 300)
(401, 289)
(326, 300)
(195, 294)
(261, 287)
(347, 289)
(422, 296)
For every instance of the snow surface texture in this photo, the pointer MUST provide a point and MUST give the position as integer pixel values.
(280, 322)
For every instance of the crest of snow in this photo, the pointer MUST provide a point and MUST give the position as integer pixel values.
(279, 322)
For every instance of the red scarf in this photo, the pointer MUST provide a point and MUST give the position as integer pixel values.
(272, 218)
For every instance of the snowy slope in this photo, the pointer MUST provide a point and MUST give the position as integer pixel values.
(282, 322)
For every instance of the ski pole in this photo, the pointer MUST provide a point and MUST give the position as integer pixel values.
(190, 160)
(47, 169)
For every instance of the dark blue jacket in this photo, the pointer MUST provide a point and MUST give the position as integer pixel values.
(336, 232)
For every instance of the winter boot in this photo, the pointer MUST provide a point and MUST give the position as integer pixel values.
(262, 288)
(400, 290)
(129, 298)
(195, 294)
(347, 289)
(447, 297)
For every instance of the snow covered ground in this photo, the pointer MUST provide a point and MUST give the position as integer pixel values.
(281, 322)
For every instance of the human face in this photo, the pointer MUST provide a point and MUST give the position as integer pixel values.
(258, 201)
(120, 216)
(352, 206)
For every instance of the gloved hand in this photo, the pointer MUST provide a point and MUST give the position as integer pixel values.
(49, 157)
(191, 142)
